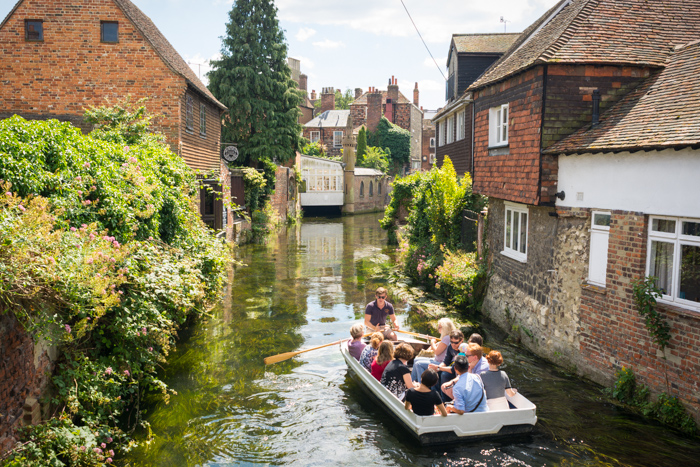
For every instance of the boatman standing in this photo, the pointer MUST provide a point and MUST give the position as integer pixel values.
(376, 313)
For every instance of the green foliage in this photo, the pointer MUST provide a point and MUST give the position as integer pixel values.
(254, 185)
(667, 409)
(375, 158)
(393, 139)
(104, 253)
(253, 80)
(316, 149)
(263, 221)
(431, 252)
(645, 294)
(124, 123)
(361, 146)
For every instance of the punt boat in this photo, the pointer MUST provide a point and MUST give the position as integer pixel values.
(436, 429)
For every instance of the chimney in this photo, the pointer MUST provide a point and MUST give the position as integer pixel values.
(302, 81)
(596, 107)
(358, 92)
(313, 95)
(327, 99)
(374, 109)
(415, 95)
(392, 98)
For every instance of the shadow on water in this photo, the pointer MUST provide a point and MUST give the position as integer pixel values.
(306, 287)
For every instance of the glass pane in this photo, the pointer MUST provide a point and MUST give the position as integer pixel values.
(508, 225)
(663, 225)
(601, 219)
(110, 32)
(516, 230)
(34, 30)
(498, 126)
(690, 273)
(691, 228)
(523, 232)
(661, 265)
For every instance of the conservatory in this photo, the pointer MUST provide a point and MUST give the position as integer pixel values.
(322, 182)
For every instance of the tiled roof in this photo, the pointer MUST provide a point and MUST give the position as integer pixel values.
(484, 43)
(363, 99)
(330, 119)
(164, 48)
(632, 32)
(664, 112)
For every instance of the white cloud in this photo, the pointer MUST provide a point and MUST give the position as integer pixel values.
(328, 44)
(436, 21)
(305, 33)
(306, 63)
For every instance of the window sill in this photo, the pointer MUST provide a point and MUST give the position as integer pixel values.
(516, 256)
(499, 150)
(498, 146)
(680, 308)
(592, 287)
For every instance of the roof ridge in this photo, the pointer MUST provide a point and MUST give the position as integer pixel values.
(569, 31)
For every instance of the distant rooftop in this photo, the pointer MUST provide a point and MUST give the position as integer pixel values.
(330, 118)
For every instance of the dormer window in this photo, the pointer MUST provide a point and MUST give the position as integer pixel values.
(34, 30)
(109, 31)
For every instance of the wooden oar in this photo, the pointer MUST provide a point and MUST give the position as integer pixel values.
(287, 355)
(415, 334)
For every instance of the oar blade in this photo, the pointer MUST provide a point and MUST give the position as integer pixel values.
(280, 357)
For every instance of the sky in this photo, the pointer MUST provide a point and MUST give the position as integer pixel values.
(349, 44)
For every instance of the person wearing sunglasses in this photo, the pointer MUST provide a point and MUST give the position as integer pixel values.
(376, 313)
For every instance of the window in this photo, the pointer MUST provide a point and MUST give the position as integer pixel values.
(432, 142)
(371, 189)
(109, 31)
(450, 129)
(34, 30)
(379, 188)
(673, 257)
(202, 119)
(189, 111)
(461, 128)
(441, 133)
(498, 126)
(362, 189)
(315, 136)
(598, 257)
(432, 158)
(337, 139)
(515, 235)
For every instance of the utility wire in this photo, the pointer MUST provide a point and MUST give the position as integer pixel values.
(421, 38)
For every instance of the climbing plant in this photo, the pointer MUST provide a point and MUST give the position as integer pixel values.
(645, 294)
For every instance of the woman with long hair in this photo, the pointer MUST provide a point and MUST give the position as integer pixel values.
(385, 354)
(445, 326)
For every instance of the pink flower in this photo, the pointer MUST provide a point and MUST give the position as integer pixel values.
(97, 450)
(109, 440)
(87, 165)
(82, 448)
(93, 188)
(67, 329)
(108, 370)
(89, 260)
(80, 193)
(143, 330)
(103, 445)
(109, 460)
(111, 451)
(150, 349)
(150, 238)
(126, 148)
(138, 334)
(73, 229)
(126, 372)
(21, 208)
(79, 178)
(8, 194)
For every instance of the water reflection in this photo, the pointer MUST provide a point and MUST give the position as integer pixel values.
(305, 288)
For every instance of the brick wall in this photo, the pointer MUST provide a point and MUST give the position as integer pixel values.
(515, 175)
(326, 135)
(25, 369)
(284, 198)
(378, 201)
(426, 150)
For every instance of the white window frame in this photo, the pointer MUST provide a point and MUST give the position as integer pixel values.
(598, 253)
(498, 125)
(315, 136)
(461, 125)
(515, 210)
(450, 129)
(337, 139)
(441, 133)
(677, 239)
(432, 142)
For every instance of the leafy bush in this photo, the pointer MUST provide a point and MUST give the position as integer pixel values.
(316, 149)
(105, 253)
(375, 158)
(254, 187)
(393, 139)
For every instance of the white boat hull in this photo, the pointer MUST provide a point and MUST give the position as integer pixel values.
(453, 428)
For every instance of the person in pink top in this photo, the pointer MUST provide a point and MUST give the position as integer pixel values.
(384, 356)
(356, 346)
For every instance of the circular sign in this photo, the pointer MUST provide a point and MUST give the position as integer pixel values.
(230, 153)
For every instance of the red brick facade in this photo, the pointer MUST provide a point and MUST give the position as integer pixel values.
(326, 138)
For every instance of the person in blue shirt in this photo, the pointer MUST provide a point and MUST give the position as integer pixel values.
(468, 391)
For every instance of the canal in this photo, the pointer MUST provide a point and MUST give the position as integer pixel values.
(306, 287)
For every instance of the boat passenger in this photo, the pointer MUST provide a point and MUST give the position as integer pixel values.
(385, 354)
(477, 362)
(496, 383)
(355, 346)
(424, 399)
(476, 338)
(468, 390)
(370, 351)
(445, 368)
(376, 313)
(445, 326)
(397, 376)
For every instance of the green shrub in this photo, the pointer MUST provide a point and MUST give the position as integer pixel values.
(392, 139)
(375, 158)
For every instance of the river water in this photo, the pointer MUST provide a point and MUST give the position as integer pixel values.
(306, 287)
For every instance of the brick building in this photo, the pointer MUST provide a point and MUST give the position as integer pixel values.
(579, 208)
(328, 127)
(60, 57)
(368, 108)
(428, 145)
(469, 56)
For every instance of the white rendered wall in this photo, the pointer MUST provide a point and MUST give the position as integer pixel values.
(322, 198)
(657, 182)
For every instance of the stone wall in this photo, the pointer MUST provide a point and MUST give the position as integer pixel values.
(284, 199)
(25, 371)
(378, 200)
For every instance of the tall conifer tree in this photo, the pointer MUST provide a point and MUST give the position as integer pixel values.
(361, 145)
(254, 81)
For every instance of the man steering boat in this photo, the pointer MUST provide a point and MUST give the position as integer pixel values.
(376, 313)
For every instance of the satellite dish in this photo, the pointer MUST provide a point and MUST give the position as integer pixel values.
(230, 153)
